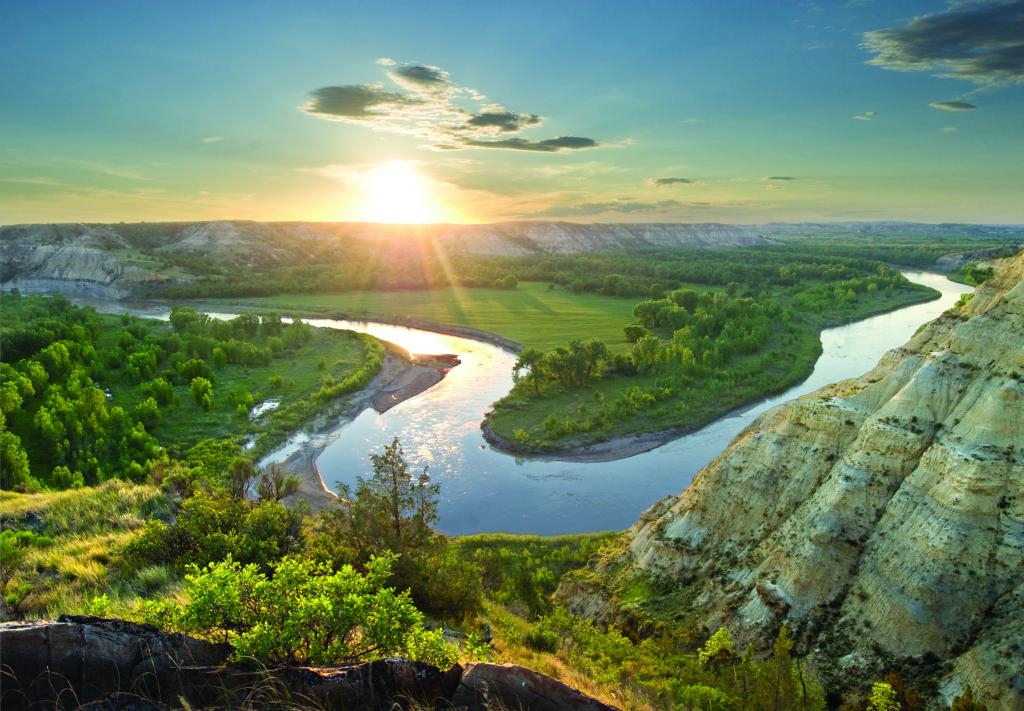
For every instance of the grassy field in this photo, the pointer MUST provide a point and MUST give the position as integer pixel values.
(532, 314)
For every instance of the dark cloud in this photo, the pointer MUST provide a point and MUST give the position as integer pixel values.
(952, 105)
(357, 101)
(982, 42)
(422, 78)
(780, 177)
(673, 181)
(504, 120)
(551, 145)
(426, 108)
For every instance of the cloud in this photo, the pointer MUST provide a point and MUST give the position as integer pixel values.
(504, 120)
(949, 129)
(550, 145)
(952, 105)
(422, 104)
(866, 116)
(358, 101)
(981, 41)
(213, 139)
(672, 181)
(779, 177)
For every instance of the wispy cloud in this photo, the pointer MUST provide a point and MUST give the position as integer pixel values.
(671, 181)
(424, 106)
(866, 116)
(952, 105)
(980, 41)
(212, 139)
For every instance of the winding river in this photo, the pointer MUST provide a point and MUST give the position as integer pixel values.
(486, 490)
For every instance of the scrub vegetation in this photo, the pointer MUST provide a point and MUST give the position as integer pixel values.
(369, 578)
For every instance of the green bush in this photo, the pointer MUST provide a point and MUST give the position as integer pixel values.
(304, 613)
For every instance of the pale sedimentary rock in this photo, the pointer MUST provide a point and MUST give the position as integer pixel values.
(882, 517)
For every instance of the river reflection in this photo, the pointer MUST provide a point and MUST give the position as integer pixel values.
(486, 490)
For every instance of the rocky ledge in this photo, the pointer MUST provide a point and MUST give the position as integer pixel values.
(88, 662)
(881, 518)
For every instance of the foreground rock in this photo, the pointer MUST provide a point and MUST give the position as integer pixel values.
(111, 664)
(881, 517)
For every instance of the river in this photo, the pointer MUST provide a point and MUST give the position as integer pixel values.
(483, 489)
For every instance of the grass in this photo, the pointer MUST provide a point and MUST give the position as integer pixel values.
(70, 565)
(531, 314)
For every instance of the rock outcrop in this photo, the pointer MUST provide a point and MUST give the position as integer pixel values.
(881, 517)
(79, 260)
(94, 663)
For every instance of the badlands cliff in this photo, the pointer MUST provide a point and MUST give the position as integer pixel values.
(881, 517)
(122, 260)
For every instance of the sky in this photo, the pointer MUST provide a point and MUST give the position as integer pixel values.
(698, 111)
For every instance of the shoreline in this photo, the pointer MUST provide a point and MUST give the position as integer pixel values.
(623, 446)
(401, 377)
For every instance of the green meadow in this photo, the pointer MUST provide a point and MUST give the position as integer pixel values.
(532, 314)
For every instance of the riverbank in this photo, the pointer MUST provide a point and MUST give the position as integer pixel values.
(402, 376)
(623, 445)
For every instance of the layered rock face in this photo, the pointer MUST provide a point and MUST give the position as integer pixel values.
(72, 259)
(882, 517)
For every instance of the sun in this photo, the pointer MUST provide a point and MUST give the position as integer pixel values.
(395, 192)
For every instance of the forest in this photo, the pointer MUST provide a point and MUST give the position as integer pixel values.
(86, 396)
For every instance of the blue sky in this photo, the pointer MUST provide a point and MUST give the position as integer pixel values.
(156, 111)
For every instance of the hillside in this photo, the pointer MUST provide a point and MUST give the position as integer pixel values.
(881, 517)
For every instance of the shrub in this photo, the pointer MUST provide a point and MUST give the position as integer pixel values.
(304, 613)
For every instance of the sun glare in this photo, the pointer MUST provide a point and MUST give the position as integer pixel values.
(395, 192)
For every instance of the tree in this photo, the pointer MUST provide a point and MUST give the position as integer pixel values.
(274, 483)
(395, 511)
(685, 298)
(162, 391)
(14, 466)
(597, 353)
(717, 650)
(782, 683)
(529, 359)
(634, 332)
(184, 319)
(148, 412)
(241, 472)
(646, 353)
(202, 392)
(392, 509)
(883, 698)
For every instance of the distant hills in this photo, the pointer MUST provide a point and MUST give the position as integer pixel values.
(118, 260)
